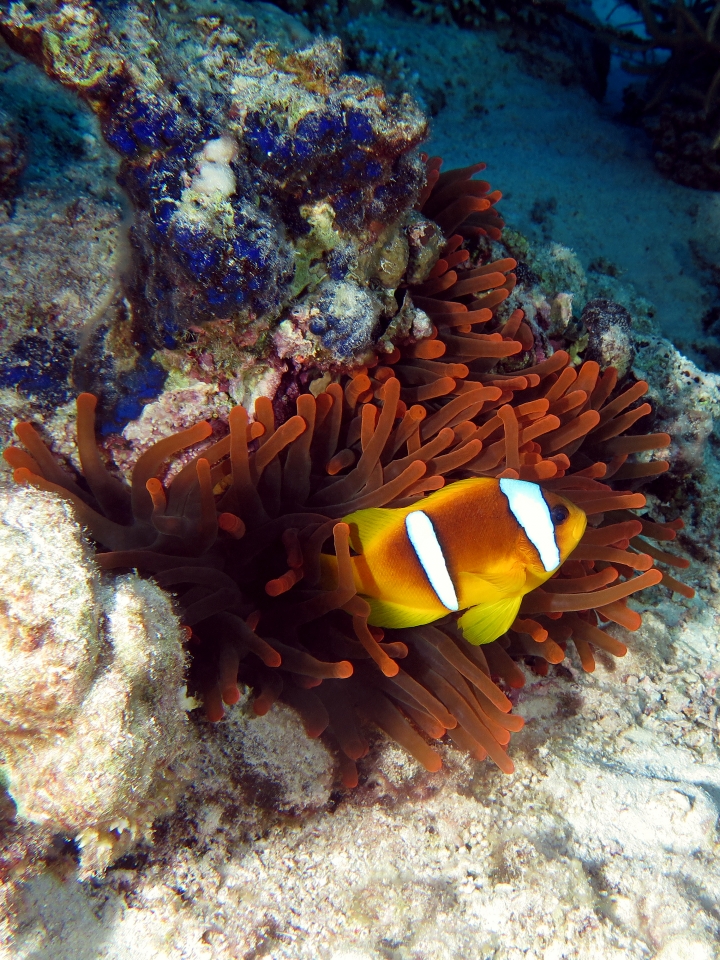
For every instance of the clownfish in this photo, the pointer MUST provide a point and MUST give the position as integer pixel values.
(475, 545)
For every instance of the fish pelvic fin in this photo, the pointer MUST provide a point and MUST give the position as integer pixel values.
(488, 621)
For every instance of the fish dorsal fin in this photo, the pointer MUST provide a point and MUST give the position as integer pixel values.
(451, 490)
(488, 621)
(373, 522)
(367, 525)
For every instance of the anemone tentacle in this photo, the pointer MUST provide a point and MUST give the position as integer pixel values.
(386, 435)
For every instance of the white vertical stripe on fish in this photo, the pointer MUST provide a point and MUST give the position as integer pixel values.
(529, 508)
(429, 552)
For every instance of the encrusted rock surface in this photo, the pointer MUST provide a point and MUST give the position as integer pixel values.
(609, 340)
(12, 156)
(267, 185)
(602, 845)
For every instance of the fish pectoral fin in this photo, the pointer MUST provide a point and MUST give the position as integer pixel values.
(473, 589)
(510, 579)
(396, 616)
(488, 621)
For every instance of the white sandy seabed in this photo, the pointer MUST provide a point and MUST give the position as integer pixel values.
(603, 845)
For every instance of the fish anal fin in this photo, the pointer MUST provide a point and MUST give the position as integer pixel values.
(395, 616)
(488, 621)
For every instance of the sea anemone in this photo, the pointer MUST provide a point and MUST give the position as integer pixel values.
(239, 530)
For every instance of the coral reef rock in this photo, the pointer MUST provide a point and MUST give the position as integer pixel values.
(268, 763)
(62, 239)
(95, 736)
(12, 156)
(609, 343)
(687, 403)
(259, 177)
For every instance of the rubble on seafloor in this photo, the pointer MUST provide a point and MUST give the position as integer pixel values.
(603, 844)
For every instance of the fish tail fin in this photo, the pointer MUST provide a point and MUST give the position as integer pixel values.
(328, 571)
(488, 621)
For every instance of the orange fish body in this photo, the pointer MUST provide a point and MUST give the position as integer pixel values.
(476, 545)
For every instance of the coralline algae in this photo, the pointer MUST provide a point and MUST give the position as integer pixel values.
(266, 185)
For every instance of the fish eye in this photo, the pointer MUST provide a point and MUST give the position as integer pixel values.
(559, 514)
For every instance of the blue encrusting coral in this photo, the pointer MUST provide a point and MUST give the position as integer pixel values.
(39, 367)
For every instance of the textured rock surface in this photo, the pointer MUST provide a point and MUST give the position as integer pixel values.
(12, 156)
(603, 844)
(95, 739)
(61, 247)
(609, 341)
